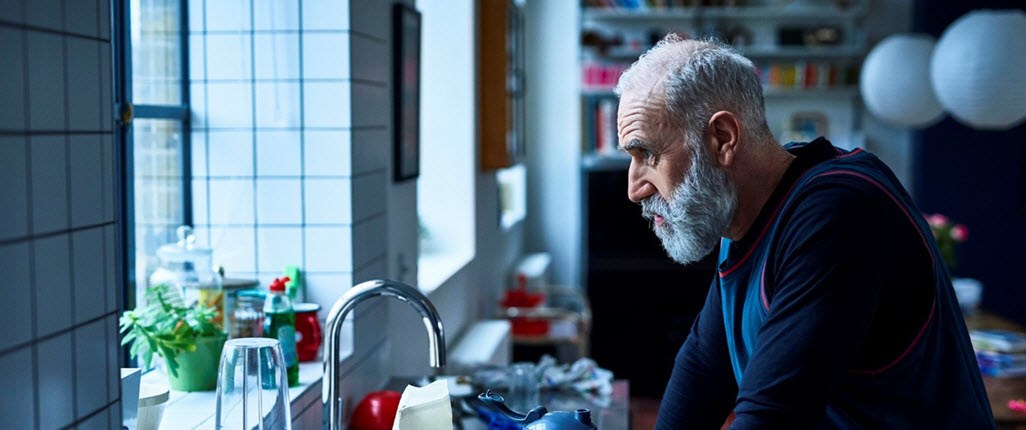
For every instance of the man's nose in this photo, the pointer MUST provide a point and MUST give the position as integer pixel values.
(638, 188)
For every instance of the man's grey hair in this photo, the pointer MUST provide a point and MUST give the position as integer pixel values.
(698, 79)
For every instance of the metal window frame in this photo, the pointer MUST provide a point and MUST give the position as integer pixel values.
(125, 114)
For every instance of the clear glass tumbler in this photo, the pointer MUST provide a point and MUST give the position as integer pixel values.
(252, 386)
(523, 387)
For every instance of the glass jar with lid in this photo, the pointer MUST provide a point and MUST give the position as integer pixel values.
(247, 319)
(189, 268)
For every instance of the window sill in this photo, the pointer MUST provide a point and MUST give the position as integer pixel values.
(196, 410)
(434, 269)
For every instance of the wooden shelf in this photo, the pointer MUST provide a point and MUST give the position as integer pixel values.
(845, 91)
(739, 12)
(608, 161)
(755, 52)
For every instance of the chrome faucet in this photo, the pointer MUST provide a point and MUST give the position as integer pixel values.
(332, 384)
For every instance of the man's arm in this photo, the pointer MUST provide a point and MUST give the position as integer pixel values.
(702, 389)
(831, 264)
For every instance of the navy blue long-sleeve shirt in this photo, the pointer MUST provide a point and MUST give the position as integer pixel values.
(834, 311)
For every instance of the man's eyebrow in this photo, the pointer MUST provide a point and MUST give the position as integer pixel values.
(635, 144)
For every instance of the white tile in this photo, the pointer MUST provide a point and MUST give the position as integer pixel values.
(326, 153)
(230, 153)
(371, 150)
(198, 152)
(370, 195)
(277, 105)
(368, 63)
(228, 15)
(106, 94)
(46, 80)
(275, 15)
(52, 284)
(276, 56)
(325, 289)
(229, 104)
(114, 413)
(278, 247)
(110, 193)
(328, 249)
(197, 55)
(369, 241)
(16, 369)
(326, 104)
(234, 248)
(12, 10)
(81, 17)
(14, 194)
(49, 184)
(105, 19)
(86, 178)
(228, 55)
(327, 201)
(83, 84)
(99, 421)
(326, 55)
(56, 395)
(87, 255)
(200, 202)
(113, 359)
(196, 12)
(231, 201)
(44, 13)
(16, 307)
(111, 275)
(279, 153)
(372, 105)
(198, 105)
(279, 201)
(90, 367)
(12, 79)
(372, 17)
(326, 15)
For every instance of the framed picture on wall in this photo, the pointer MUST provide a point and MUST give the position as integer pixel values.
(406, 95)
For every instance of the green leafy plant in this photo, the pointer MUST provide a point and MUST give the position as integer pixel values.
(166, 326)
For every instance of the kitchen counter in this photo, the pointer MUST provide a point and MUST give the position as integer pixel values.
(196, 410)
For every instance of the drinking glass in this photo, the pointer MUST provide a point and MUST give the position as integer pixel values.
(252, 386)
(523, 387)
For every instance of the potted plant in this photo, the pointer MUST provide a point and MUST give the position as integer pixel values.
(187, 337)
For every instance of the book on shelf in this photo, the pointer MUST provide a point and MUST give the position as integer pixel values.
(599, 115)
(1000, 364)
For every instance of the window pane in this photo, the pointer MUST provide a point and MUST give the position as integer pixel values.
(159, 190)
(156, 52)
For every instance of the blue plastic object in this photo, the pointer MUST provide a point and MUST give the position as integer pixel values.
(540, 418)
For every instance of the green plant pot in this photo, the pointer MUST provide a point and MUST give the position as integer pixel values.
(197, 370)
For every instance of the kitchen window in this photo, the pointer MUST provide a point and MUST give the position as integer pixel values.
(151, 59)
(446, 187)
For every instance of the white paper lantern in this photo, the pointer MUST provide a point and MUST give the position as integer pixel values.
(895, 81)
(978, 69)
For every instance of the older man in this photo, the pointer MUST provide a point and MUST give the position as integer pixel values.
(832, 307)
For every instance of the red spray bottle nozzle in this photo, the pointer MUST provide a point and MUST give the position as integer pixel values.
(279, 284)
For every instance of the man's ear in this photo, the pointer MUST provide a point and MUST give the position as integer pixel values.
(724, 135)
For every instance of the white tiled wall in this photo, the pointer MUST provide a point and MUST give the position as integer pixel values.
(58, 241)
(291, 155)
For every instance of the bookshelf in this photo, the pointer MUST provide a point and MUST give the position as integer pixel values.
(808, 53)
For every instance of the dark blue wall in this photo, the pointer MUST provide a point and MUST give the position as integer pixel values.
(977, 178)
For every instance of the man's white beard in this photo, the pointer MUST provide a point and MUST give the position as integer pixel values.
(697, 214)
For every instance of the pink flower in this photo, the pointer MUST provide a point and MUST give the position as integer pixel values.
(937, 220)
(960, 233)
